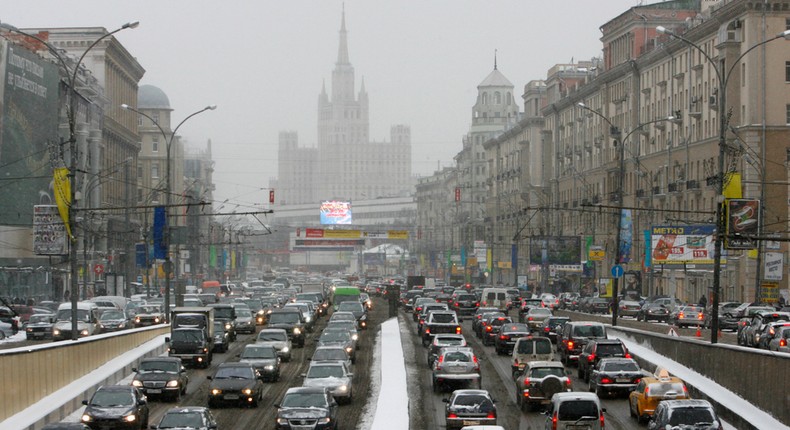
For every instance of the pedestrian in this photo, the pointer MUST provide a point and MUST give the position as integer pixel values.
(703, 301)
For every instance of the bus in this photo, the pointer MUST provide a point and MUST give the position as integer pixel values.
(344, 294)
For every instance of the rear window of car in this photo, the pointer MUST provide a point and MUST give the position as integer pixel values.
(588, 331)
(690, 416)
(475, 403)
(573, 410)
(465, 297)
(619, 366)
(443, 318)
(534, 346)
(658, 389)
(542, 372)
(458, 357)
(610, 349)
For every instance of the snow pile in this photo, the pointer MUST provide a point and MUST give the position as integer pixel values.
(392, 409)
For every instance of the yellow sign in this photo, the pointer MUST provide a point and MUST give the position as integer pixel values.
(503, 265)
(471, 261)
(596, 254)
(342, 234)
(605, 287)
(398, 234)
(769, 292)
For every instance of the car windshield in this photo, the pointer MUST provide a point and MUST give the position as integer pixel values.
(272, 337)
(39, 319)
(258, 352)
(284, 318)
(343, 317)
(690, 416)
(223, 313)
(110, 398)
(65, 315)
(533, 346)
(304, 400)
(351, 307)
(618, 366)
(234, 373)
(181, 420)
(159, 366)
(659, 389)
(112, 315)
(573, 410)
(588, 331)
(334, 336)
(323, 354)
(473, 402)
(148, 310)
(243, 313)
(325, 372)
(457, 356)
(542, 372)
(444, 318)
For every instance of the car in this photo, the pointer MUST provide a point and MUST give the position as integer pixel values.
(39, 326)
(221, 337)
(567, 299)
(614, 375)
(146, 315)
(116, 407)
(529, 349)
(264, 359)
(418, 304)
(539, 381)
(780, 340)
(113, 320)
(492, 328)
(257, 309)
(508, 336)
(769, 331)
(278, 338)
(235, 383)
(551, 326)
(596, 305)
(464, 303)
(245, 322)
(366, 301)
(549, 301)
(628, 308)
(309, 313)
(574, 336)
(161, 376)
(341, 338)
(750, 327)
(307, 407)
(187, 418)
(423, 316)
(478, 317)
(440, 341)
(534, 317)
(65, 426)
(455, 365)
(226, 313)
(358, 310)
(292, 321)
(651, 390)
(575, 410)
(696, 414)
(597, 349)
(653, 312)
(334, 376)
(688, 316)
(527, 304)
(469, 407)
(331, 353)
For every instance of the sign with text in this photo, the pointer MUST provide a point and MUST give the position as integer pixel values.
(774, 266)
(49, 232)
(690, 244)
(334, 212)
(555, 250)
(743, 223)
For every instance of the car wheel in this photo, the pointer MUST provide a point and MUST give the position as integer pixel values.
(631, 410)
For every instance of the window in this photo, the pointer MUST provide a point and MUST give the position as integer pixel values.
(139, 120)
(139, 194)
(787, 71)
(155, 115)
(155, 196)
(140, 168)
(154, 170)
(155, 144)
(787, 114)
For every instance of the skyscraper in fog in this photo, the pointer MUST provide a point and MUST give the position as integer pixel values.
(345, 164)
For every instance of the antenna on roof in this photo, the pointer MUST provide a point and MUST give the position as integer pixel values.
(494, 59)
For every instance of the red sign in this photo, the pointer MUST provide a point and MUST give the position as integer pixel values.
(314, 232)
(271, 196)
(98, 269)
(457, 194)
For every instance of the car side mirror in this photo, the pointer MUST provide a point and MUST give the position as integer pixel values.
(211, 427)
(141, 402)
(276, 405)
(350, 375)
(183, 369)
(167, 340)
(153, 426)
(134, 369)
(445, 400)
(603, 410)
(209, 377)
(304, 375)
(85, 402)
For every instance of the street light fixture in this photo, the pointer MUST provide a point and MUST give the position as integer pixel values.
(168, 265)
(71, 114)
(620, 143)
(723, 79)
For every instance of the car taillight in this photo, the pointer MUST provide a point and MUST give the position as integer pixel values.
(458, 330)
(570, 344)
(606, 381)
(477, 305)
(489, 328)
(546, 329)
(491, 415)
(591, 358)
(647, 391)
(680, 315)
(529, 319)
(503, 337)
(637, 381)
(456, 304)
(452, 415)
(568, 382)
(554, 421)
(603, 423)
(699, 317)
(474, 359)
(427, 331)
(627, 355)
(782, 342)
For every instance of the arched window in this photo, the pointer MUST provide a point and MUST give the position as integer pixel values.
(497, 98)
(485, 98)
(509, 98)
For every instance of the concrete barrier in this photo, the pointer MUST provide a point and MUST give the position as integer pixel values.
(32, 373)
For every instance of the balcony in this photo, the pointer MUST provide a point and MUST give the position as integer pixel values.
(711, 181)
(692, 185)
(614, 197)
(640, 193)
(657, 192)
(675, 187)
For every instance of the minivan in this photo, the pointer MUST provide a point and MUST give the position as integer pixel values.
(87, 320)
(577, 409)
(528, 349)
(494, 298)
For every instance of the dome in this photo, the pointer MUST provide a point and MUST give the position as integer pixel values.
(151, 97)
(495, 79)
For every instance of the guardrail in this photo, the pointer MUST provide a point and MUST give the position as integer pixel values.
(31, 373)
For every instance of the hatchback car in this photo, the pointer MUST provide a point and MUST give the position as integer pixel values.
(455, 366)
(597, 349)
(278, 338)
(334, 376)
(688, 316)
(508, 336)
(574, 336)
(113, 320)
(469, 408)
(551, 326)
(116, 407)
(440, 341)
(575, 410)
(534, 317)
(161, 376)
(235, 383)
(187, 418)
(493, 328)
(331, 353)
(696, 414)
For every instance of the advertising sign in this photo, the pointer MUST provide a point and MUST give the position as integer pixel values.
(769, 292)
(49, 232)
(334, 212)
(690, 244)
(29, 124)
(555, 250)
(626, 235)
(743, 222)
(774, 266)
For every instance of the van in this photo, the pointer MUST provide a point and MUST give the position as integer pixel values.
(576, 409)
(574, 336)
(528, 349)
(494, 298)
(343, 294)
(211, 287)
(87, 320)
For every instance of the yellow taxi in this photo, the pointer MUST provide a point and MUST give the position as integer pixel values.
(651, 390)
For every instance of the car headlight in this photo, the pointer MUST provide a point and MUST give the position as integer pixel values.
(227, 326)
(324, 420)
(101, 326)
(130, 418)
(136, 383)
(269, 367)
(84, 333)
(56, 332)
(261, 312)
(297, 330)
(247, 391)
(216, 392)
(172, 383)
(349, 349)
(285, 349)
(29, 330)
(355, 336)
(121, 325)
(283, 421)
(343, 388)
(86, 418)
(307, 319)
(137, 320)
(157, 319)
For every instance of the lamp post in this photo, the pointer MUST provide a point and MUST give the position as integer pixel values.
(723, 78)
(71, 114)
(168, 265)
(616, 133)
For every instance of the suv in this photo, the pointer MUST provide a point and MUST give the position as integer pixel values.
(697, 414)
(464, 303)
(528, 349)
(539, 381)
(574, 336)
(161, 376)
(469, 407)
(597, 349)
(575, 410)
(455, 364)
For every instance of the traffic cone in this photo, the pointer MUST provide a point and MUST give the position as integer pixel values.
(699, 332)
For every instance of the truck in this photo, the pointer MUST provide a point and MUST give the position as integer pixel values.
(192, 335)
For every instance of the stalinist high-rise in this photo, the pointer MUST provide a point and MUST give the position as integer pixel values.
(345, 164)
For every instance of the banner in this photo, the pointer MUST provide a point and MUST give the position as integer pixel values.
(62, 190)
(626, 235)
(160, 223)
(49, 232)
(397, 234)
(774, 266)
(560, 250)
(334, 212)
(692, 244)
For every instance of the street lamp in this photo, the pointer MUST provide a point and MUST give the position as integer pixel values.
(71, 114)
(620, 143)
(168, 265)
(723, 79)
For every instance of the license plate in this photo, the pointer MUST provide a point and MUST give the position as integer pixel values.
(154, 391)
(231, 397)
(621, 380)
(577, 427)
(471, 423)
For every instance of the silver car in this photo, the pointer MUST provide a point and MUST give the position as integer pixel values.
(341, 338)
(455, 365)
(278, 338)
(331, 353)
(335, 376)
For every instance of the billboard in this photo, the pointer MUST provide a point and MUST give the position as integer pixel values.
(49, 232)
(29, 125)
(690, 244)
(555, 250)
(335, 212)
(743, 219)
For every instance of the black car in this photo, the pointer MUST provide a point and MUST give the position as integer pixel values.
(307, 407)
(615, 375)
(116, 407)
(161, 376)
(39, 326)
(508, 335)
(291, 320)
(265, 360)
(190, 417)
(551, 326)
(226, 313)
(237, 383)
(596, 350)
(221, 337)
(464, 303)
(653, 312)
(65, 426)
(492, 329)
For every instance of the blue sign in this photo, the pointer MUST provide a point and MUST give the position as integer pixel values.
(617, 271)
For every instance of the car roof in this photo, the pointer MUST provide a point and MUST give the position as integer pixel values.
(186, 409)
(116, 388)
(149, 359)
(468, 392)
(235, 364)
(307, 390)
(575, 395)
(684, 403)
(532, 364)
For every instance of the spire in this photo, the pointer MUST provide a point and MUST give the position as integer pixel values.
(323, 87)
(342, 51)
(494, 59)
(362, 87)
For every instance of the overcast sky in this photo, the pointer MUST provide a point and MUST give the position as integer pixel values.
(263, 62)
